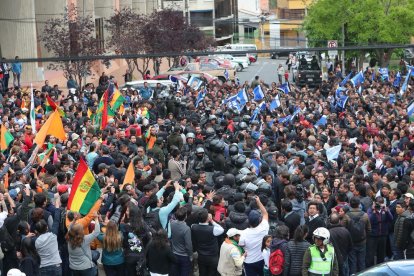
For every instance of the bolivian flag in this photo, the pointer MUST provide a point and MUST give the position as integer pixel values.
(5, 138)
(85, 190)
(52, 106)
(116, 98)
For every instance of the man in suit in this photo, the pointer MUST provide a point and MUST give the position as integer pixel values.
(313, 220)
(290, 218)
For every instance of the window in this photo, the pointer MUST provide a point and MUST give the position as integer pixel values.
(201, 18)
(99, 28)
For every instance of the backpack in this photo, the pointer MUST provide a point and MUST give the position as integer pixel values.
(63, 230)
(152, 219)
(276, 262)
(356, 228)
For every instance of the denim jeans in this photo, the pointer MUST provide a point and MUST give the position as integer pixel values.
(345, 267)
(356, 258)
(376, 246)
(182, 267)
(397, 254)
(51, 270)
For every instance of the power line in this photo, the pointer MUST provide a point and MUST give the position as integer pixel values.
(204, 53)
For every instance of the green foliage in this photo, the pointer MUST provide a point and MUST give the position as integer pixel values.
(366, 21)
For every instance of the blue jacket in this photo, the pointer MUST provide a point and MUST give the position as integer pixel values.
(111, 258)
(146, 93)
(380, 222)
(17, 67)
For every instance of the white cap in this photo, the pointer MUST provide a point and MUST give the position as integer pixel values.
(233, 232)
(409, 195)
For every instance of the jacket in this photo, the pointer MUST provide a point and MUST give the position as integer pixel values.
(313, 225)
(292, 220)
(111, 257)
(398, 229)
(380, 222)
(176, 171)
(86, 220)
(353, 212)
(231, 260)
(342, 241)
(237, 220)
(47, 248)
(77, 258)
(296, 250)
(408, 228)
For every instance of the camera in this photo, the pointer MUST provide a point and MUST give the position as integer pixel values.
(377, 206)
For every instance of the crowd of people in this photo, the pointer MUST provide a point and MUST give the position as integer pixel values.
(217, 190)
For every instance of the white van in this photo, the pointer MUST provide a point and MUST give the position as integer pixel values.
(243, 47)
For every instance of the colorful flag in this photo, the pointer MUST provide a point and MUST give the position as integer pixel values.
(32, 111)
(258, 93)
(115, 97)
(23, 104)
(129, 175)
(53, 126)
(104, 119)
(85, 190)
(5, 138)
(45, 157)
(52, 106)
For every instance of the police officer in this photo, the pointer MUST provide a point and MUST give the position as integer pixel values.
(320, 258)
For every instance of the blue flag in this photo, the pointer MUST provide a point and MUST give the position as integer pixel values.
(359, 90)
(254, 115)
(410, 68)
(258, 93)
(274, 104)
(237, 81)
(322, 121)
(397, 80)
(297, 111)
(339, 91)
(373, 75)
(357, 79)
(410, 109)
(405, 84)
(284, 119)
(226, 74)
(285, 88)
(262, 106)
(342, 101)
(392, 98)
(345, 80)
(256, 164)
(200, 98)
(242, 97)
(384, 73)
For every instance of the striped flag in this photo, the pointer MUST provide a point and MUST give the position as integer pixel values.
(258, 93)
(85, 190)
(358, 79)
(274, 104)
(5, 138)
(32, 111)
(345, 80)
(52, 106)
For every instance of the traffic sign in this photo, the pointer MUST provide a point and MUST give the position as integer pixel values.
(332, 43)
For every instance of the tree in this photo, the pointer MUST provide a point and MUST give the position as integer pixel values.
(72, 35)
(166, 31)
(365, 22)
(125, 27)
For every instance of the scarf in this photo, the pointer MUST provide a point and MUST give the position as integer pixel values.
(233, 242)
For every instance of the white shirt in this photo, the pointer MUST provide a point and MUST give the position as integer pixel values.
(251, 239)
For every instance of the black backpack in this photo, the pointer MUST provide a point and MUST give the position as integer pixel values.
(152, 219)
(356, 227)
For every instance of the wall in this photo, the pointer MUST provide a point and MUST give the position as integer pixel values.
(21, 33)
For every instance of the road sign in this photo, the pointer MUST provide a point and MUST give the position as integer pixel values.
(332, 44)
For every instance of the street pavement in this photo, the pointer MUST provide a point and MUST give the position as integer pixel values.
(265, 68)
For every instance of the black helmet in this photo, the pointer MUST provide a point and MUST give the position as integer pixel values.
(199, 150)
(240, 161)
(233, 150)
(240, 179)
(210, 132)
(246, 118)
(243, 125)
(255, 122)
(220, 146)
(213, 144)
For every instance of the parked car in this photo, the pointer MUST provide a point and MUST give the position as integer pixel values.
(209, 68)
(392, 268)
(185, 76)
(217, 61)
(240, 62)
(137, 85)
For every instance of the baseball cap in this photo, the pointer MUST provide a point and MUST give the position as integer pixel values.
(62, 189)
(15, 272)
(254, 218)
(232, 232)
(409, 195)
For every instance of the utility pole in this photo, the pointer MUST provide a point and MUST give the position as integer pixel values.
(186, 12)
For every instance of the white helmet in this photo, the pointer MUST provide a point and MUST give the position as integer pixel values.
(323, 233)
